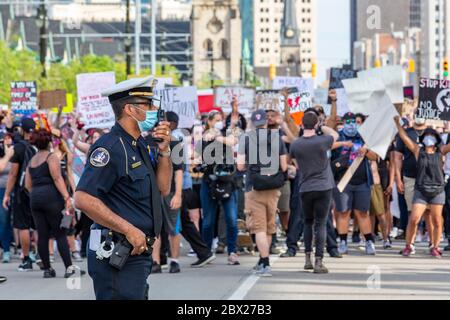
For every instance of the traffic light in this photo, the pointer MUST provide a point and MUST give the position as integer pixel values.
(272, 71)
(314, 70)
(412, 66)
(446, 67)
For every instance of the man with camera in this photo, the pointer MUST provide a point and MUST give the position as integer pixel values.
(121, 189)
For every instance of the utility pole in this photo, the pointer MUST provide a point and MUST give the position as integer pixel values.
(42, 24)
(128, 40)
(212, 69)
(153, 32)
(137, 36)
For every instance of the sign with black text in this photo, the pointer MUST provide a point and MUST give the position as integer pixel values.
(434, 99)
(339, 74)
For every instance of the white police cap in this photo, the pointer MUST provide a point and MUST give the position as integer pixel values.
(136, 87)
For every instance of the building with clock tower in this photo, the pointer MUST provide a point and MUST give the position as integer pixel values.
(216, 41)
(290, 49)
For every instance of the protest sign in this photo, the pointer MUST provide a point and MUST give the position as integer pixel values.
(298, 103)
(359, 91)
(379, 130)
(223, 97)
(339, 74)
(434, 99)
(181, 100)
(23, 97)
(302, 84)
(391, 77)
(68, 108)
(96, 110)
(268, 100)
(52, 99)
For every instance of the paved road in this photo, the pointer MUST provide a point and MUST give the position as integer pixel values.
(390, 277)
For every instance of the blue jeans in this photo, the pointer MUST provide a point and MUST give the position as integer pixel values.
(209, 207)
(6, 233)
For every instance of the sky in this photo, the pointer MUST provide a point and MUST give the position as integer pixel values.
(333, 35)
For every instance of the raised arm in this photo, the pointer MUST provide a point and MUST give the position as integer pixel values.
(411, 145)
(332, 120)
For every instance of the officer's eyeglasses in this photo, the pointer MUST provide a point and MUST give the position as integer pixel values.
(149, 106)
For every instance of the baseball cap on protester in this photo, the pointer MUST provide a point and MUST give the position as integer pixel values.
(172, 117)
(27, 124)
(259, 118)
(349, 116)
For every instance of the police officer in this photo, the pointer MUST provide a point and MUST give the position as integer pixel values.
(120, 190)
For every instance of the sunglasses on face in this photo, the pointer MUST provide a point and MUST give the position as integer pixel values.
(350, 121)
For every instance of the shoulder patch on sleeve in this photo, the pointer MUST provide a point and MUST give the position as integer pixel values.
(99, 157)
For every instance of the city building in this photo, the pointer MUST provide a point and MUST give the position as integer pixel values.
(435, 21)
(369, 17)
(171, 10)
(290, 39)
(262, 22)
(216, 41)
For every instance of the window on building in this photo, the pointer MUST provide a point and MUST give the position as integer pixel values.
(224, 49)
(208, 47)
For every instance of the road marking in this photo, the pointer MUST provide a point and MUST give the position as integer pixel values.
(247, 285)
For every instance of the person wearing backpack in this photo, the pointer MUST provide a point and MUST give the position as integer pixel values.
(429, 189)
(217, 184)
(20, 201)
(263, 154)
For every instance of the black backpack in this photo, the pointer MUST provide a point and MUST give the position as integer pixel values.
(29, 153)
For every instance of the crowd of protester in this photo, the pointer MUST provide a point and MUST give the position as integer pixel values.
(241, 183)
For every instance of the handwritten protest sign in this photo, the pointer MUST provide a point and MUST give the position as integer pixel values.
(268, 100)
(23, 97)
(339, 74)
(95, 109)
(298, 103)
(434, 99)
(302, 84)
(181, 100)
(52, 99)
(223, 97)
(359, 91)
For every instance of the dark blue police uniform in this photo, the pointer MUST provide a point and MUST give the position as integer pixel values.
(117, 173)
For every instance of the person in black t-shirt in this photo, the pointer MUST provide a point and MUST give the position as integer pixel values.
(20, 202)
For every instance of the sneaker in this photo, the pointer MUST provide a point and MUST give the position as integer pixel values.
(343, 247)
(362, 243)
(288, 254)
(394, 232)
(408, 251)
(32, 257)
(26, 265)
(3, 279)
(370, 248)
(191, 253)
(72, 270)
(203, 262)
(435, 253)
(174, 267)
(156, 268)
(264, 271)
(387, 245)
(233, 259)
(76, 256)
(49, 273)
(6, 257)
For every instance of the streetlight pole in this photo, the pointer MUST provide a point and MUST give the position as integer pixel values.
(128, 41)
(212, 68)
(153, 31)
(42, 23)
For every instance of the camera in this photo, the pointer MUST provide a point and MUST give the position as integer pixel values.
(201, 168)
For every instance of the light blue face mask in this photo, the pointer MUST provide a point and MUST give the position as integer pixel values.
(151, 119)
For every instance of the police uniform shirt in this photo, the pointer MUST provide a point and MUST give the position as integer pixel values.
(116, 174)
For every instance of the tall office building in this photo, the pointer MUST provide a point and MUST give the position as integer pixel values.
(415, 14)
(369, 17)
(262, 26)
(435, 16)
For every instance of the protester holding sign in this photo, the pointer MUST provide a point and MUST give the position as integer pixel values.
(356, 196)
(429, 190)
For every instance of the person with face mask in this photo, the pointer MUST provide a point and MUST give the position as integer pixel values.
(429, 188)
(406, 168)
(218, 149)
(121, 189)
(356, 196)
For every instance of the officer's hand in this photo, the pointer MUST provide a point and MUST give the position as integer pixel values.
(137, 239)
(162, 131)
